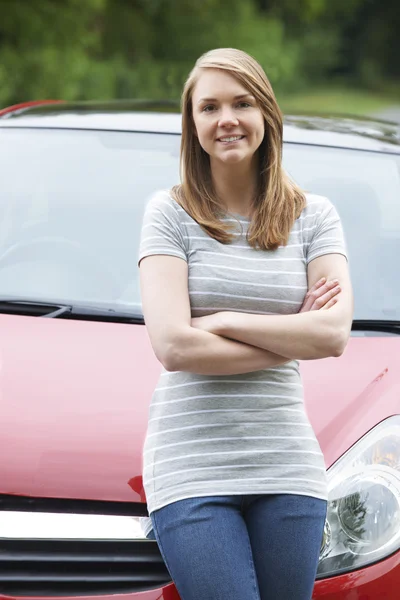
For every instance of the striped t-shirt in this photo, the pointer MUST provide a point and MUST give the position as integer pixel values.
(238, 434)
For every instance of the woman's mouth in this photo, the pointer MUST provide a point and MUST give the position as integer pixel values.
(231, 139)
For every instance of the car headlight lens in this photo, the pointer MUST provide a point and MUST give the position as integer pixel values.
(363, 518)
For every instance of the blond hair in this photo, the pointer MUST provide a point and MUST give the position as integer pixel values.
(279, 201)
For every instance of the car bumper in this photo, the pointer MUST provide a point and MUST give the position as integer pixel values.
(166, 593)
(377, 582)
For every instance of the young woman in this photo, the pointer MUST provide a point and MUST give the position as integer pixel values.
(233, 473)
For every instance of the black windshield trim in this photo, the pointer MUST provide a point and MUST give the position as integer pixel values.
(82, 313)
(36, 308)
(383, 325)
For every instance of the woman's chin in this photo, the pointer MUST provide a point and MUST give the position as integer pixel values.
(232, 157)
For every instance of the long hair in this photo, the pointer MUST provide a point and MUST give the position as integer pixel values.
(279, 201)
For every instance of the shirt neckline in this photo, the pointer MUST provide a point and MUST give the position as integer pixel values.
(237, 216)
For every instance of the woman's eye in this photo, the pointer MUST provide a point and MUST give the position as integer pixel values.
(212, 107)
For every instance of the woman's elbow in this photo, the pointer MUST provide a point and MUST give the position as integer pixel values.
(338, 341)
(167, 356)
(169, 352)
(170, 361)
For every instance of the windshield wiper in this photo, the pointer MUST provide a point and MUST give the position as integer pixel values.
(33, 308)
(54, 310)
(97, 313)
(386, 326)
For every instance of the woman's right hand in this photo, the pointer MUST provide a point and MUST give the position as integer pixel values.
(321, 296)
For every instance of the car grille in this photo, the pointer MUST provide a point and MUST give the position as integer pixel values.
(44, 567)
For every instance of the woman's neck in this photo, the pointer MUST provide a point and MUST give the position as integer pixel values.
(235, 186)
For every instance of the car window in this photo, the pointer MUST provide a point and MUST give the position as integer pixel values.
(72, 201)
(71, 206)
(365, 188)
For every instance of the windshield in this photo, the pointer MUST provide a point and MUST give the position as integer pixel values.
(72, 201)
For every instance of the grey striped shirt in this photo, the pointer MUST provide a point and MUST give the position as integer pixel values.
(238, 434)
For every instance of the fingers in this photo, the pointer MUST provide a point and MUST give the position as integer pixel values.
(322, 300)
(329, 304)
(320, 294)
(311, 295)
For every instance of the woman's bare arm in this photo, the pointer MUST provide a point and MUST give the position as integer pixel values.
(178, 345)
(307, 335)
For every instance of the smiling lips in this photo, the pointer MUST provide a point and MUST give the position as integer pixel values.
(230, 139)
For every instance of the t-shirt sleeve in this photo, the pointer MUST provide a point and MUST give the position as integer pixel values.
(326, 235)
(161, 231)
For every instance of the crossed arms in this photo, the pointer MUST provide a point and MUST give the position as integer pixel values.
(229, 343)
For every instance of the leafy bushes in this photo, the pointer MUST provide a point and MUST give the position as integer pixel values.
(101, 49)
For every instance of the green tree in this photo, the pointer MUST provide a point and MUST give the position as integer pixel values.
(45, 47)
(100, 49)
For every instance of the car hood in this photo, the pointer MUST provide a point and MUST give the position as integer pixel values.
(75, 397)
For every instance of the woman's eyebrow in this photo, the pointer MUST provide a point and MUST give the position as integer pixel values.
(239, 97)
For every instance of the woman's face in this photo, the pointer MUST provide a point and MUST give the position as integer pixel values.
(228, 122)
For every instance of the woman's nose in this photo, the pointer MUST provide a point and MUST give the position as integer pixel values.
(228, 118)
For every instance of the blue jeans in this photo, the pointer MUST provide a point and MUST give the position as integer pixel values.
(255, 547)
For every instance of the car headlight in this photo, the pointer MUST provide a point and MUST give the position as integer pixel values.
(363, 518)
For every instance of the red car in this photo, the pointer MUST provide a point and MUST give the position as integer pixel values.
(77, 370)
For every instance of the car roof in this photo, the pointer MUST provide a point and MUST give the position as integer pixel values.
(164, 117)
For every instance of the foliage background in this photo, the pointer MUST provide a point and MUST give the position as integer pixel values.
(321, 55)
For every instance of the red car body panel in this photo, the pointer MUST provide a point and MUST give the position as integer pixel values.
(166, 593)
(74, 424)
(377, 582)
(81, 407)
(347, 396)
